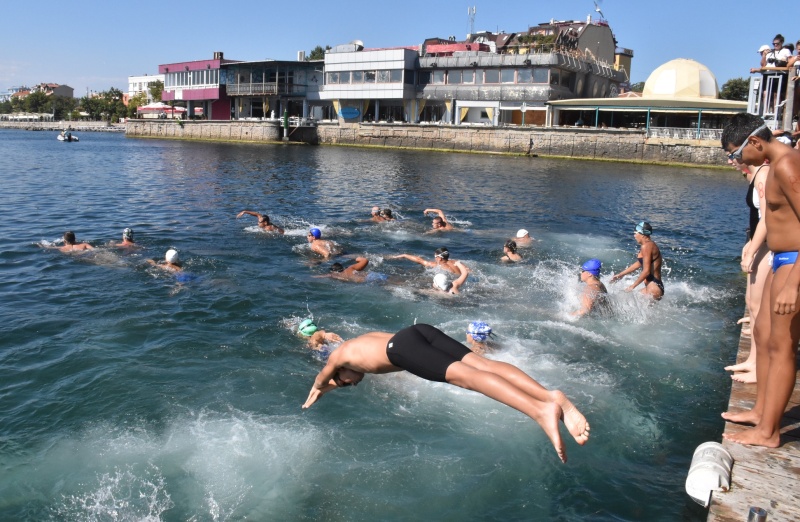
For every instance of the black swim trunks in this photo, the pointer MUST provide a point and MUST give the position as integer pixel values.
(425, 351)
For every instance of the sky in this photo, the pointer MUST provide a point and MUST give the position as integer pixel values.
(93, 45)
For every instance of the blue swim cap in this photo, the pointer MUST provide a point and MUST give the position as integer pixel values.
(592, 266)
(479, 330)
(644, 228)
(307, 328)
(315, 232)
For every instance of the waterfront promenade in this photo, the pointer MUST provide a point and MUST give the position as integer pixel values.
(78, 126)
(761, 477)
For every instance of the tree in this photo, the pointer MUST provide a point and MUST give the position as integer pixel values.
(637, 87)
(61, 106)
(735, 89)
(37, 102)
(156, 88)
(317, 53)
(5, 107)
(135, 102)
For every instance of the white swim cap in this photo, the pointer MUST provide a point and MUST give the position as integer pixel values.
(522, 232)
(440, 281)
(172, 256)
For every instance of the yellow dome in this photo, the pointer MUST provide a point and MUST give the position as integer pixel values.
(681, 78)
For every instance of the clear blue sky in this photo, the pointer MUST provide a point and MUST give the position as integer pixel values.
(92, 44)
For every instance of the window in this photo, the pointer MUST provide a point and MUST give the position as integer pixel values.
(258, 76)
(383, 76)
(468, 76)
(358, 77)
(491, 76)
(507, 76)
(437, 77)
(478, 76)
(396, 75)
(567, 79)
(540, 76)
(333, 78)
(554, 77)
(369, 76)
(344, 77)
(408, 77)
(524, 76)
(424, 77)
(454, 77)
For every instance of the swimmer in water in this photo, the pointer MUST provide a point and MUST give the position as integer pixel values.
(171, 263)
(127, 239)
(649, 260)
(510, 252)
(523, 238)
(387, 215)
(355, 273)
(263, 221)
(426, 352)
(439, 223)
(595, 295)
(321, 246)
(441, 259)
(441, 283)
(478, 334)
(375, 215)
(317, 339)
(71, 245)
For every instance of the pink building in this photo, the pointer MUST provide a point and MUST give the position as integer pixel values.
(199, 83)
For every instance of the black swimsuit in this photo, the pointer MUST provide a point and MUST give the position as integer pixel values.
(425, 351)
(651, 278)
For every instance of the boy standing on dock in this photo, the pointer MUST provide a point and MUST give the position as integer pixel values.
(747, 139)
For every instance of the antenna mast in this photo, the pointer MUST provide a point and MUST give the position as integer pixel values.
(471, 13)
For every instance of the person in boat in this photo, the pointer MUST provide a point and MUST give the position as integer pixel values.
(430, 354)
(263, 221)
(649, 260)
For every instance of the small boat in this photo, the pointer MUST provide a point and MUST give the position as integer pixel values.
(67, 136)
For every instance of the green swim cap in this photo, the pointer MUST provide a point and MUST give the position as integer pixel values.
(307, 328)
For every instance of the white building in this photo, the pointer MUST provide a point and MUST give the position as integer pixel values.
(137, 84)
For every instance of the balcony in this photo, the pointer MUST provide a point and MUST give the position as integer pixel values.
(264, 89)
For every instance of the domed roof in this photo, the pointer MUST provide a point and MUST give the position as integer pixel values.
(681, 78)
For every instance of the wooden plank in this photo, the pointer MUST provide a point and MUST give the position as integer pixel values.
(763, 477)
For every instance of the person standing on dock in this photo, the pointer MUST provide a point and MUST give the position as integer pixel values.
(777, 328)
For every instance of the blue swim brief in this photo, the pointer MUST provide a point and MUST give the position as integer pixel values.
(783, 258)
(376, 277)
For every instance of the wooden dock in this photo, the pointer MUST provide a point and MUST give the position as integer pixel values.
(762, 477)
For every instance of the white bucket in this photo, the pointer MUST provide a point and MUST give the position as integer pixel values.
(710, 471)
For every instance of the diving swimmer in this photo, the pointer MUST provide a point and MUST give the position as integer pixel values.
(427, 352)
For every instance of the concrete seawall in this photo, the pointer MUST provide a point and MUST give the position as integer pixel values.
(77, 126)
(601, 144)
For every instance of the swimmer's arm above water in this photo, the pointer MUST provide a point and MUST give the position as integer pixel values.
(249, 212)
(323, 383)
(617, 277)
(415, 259)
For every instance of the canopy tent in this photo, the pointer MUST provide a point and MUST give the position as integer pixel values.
(159, 107)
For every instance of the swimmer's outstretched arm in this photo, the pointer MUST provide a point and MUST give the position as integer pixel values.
(435, 211)
(415, 259)
(249, 212)
(620, 275)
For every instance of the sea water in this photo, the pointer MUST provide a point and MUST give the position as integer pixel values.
(128, 395)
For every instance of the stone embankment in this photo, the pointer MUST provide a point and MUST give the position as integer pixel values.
(569, 142)
(78, 126)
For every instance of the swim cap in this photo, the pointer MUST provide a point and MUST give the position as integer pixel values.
(337, 267)
(442, 253)
(440, 281)
(522, 232)
(644, 228)
(315, 232)
(127, 234)
(306, 328)
(479, 330)
(592, 266)
(376, 210)
(386, 213)
(172, 256)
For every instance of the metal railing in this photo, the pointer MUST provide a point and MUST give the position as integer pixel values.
(677, 133)
(264, 89)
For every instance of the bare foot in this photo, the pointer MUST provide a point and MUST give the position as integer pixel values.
(743, 320)
(747, 332)
(746, 366)
(743, 417)
(752, 437)
(575, 422)
(550, 415)
(745, 377)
